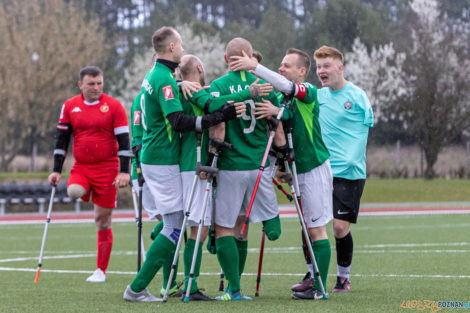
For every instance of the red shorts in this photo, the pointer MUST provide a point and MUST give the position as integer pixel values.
(97, 179)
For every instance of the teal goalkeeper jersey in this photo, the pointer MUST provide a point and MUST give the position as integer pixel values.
(345, 118)
(160, 143)
(310, 150)
(195, 107)
(248, 135)
(136, 127)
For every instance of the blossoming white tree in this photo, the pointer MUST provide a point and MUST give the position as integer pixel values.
(426, 85)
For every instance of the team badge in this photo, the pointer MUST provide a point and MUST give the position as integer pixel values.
(137, 118)
(104, 108)
(348, 105)
(168, 92)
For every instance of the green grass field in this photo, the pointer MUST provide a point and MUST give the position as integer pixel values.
(397, 258)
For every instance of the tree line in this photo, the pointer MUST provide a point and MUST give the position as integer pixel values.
(411, 56)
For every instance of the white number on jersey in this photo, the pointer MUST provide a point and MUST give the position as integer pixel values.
(142, 109)
(251, 117)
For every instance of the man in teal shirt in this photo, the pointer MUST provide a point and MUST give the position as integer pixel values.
(345, 118)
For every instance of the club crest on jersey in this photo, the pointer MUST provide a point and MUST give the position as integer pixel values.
(76, 109)
(168, 92)
(104, 108)
(348, 105)
(137, 118)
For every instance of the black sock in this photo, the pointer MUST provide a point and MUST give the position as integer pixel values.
(344, 250)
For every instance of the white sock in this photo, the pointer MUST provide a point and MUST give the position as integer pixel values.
(343, 271)
(310, 268)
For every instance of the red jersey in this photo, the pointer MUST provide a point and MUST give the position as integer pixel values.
(95, 126)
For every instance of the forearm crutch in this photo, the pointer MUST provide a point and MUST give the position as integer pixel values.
(293, 183)
(210, 177)
(260, 262)
(273, 126)
(136, 210)
(44, 236)
(141, 181)
(291, 158)
(187, 212)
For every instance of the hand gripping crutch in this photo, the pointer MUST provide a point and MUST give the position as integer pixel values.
(46, 226)
(211, 175)
(273, 126)
(294, 186)
(136, 210)
(141, 181)
(187, 212)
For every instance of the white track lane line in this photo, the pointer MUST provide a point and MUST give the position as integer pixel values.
(11, 269)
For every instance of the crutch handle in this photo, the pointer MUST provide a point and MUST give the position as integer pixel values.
(208, 169)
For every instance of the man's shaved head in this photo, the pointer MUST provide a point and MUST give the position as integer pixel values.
(236, 46)
(189, 64)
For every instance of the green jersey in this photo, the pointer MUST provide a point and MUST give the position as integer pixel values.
(247, 134)
(160, 97)
(136, 127)
(310, 151)
(195, 107)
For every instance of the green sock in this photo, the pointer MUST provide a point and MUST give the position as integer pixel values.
(227, 254)
(242, 253)
(322, 251)
(161, 250)
(156, 230)
(272, 228)
(188, 258)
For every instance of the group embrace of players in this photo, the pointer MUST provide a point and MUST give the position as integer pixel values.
(229, 121)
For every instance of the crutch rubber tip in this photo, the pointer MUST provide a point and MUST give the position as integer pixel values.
(256, 294)
(186, 299)
(36, 280)
(164, 300)
(325, 296)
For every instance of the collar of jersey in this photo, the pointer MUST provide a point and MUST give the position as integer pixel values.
(90, 103)
(240, 74)
(170, 64)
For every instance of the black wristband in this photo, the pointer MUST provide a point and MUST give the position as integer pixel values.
(58, 163)
(123, 164)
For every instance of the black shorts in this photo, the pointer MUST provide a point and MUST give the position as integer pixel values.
(347, 198)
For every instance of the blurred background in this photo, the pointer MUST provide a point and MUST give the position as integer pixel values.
(411, 57)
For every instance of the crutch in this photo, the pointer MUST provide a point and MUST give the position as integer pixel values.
(187, 212)
(211, 175)
(222, 278)
(291, 158)
(263, 235)
(273, 126)
(136, 210)
(212, 230)
(294, 186)
(260, 262)
(140, 180)
(46, 226)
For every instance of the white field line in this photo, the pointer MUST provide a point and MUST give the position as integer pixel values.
(280, 250)
(12, 269)
(412, 245)
(380, 245)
